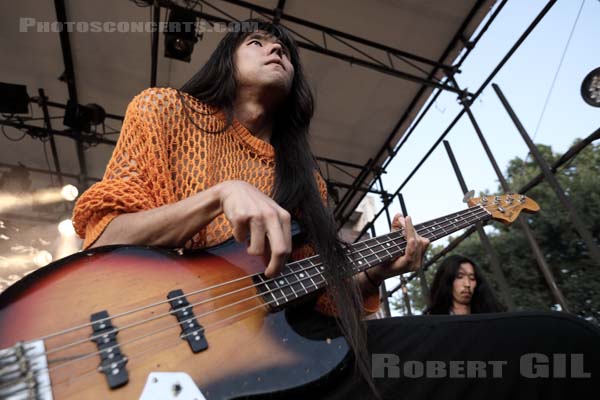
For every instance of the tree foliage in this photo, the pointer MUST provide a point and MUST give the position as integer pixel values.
(566, 254)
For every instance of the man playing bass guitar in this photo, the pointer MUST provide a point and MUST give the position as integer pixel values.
(228, 155)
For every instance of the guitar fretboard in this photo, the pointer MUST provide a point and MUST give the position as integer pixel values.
(300, 278)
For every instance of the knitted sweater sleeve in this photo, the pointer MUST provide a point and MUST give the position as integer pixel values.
(127, 186)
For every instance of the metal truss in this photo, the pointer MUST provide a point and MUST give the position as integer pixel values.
(415, 62)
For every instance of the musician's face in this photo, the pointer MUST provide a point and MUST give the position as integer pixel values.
(261, 61)
(464, 284)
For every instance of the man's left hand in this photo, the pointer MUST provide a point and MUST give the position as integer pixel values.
(413, 254)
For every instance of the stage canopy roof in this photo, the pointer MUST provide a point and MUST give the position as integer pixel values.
(372, 65)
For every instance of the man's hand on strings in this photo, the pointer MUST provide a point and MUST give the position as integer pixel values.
(412, 258)
(256, 217)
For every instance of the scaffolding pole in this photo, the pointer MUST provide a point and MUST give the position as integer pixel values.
(451, 246)
(387, 201)
(567, 157)
(48, 124)
(537, 252)
(491, 76)
(580, 227)
(421, 271)
(382, 289)
(485, 241)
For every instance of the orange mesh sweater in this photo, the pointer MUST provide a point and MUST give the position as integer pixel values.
(165, 154)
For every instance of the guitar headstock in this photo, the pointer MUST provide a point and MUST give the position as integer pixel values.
(507, 207)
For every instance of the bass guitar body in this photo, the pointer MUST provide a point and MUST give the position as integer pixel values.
(99, 325)
(137, 322)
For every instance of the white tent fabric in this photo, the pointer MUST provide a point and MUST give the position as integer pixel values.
(357, 107)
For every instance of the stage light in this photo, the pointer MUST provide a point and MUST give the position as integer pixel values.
(42, 258)
(25, 262)
(180, 35)
(82, 117)
(69, 192)
(13, 99)
(69, 243)
(17, 199)
(65, 227)
(590, 88)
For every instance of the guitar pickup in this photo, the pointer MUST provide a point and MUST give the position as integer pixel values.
(112, 361)
(191, 330)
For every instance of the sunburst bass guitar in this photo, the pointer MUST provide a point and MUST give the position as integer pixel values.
(128, 322)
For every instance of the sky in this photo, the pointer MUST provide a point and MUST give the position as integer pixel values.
(525, 81)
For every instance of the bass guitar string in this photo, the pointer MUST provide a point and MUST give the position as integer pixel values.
(249, 287)
(197, 331)
(276, 300)
(128, 312)
(270, 291)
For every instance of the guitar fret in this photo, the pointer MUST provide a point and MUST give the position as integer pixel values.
(290, 285)
(360, 263)
(387, 250)
(312, 271)
(281, 284)
(310, 276)
(443, 230)
(360, 246)
(305, 276)
(374, 255)
(322, 281)
(297, 284)
(320, 269)
(269, 291)
(302, 276)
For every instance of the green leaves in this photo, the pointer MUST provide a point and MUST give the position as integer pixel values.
(566, 254)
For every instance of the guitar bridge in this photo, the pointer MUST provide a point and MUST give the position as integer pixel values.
(24, 372)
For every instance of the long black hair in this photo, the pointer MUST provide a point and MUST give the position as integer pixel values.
(440, 295)
(295, 187)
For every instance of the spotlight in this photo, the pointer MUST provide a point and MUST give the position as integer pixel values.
(590, 88)
(82, 117)
(180, 35)
(13, 99)
(42, 258)
(65, 227)
(69, 192)
(21, 199)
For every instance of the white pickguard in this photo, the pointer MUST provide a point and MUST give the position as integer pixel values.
(171, 386)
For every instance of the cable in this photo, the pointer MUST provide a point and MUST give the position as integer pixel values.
(562, 58)
(526, 158)
(12, 139)
(558, 68)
